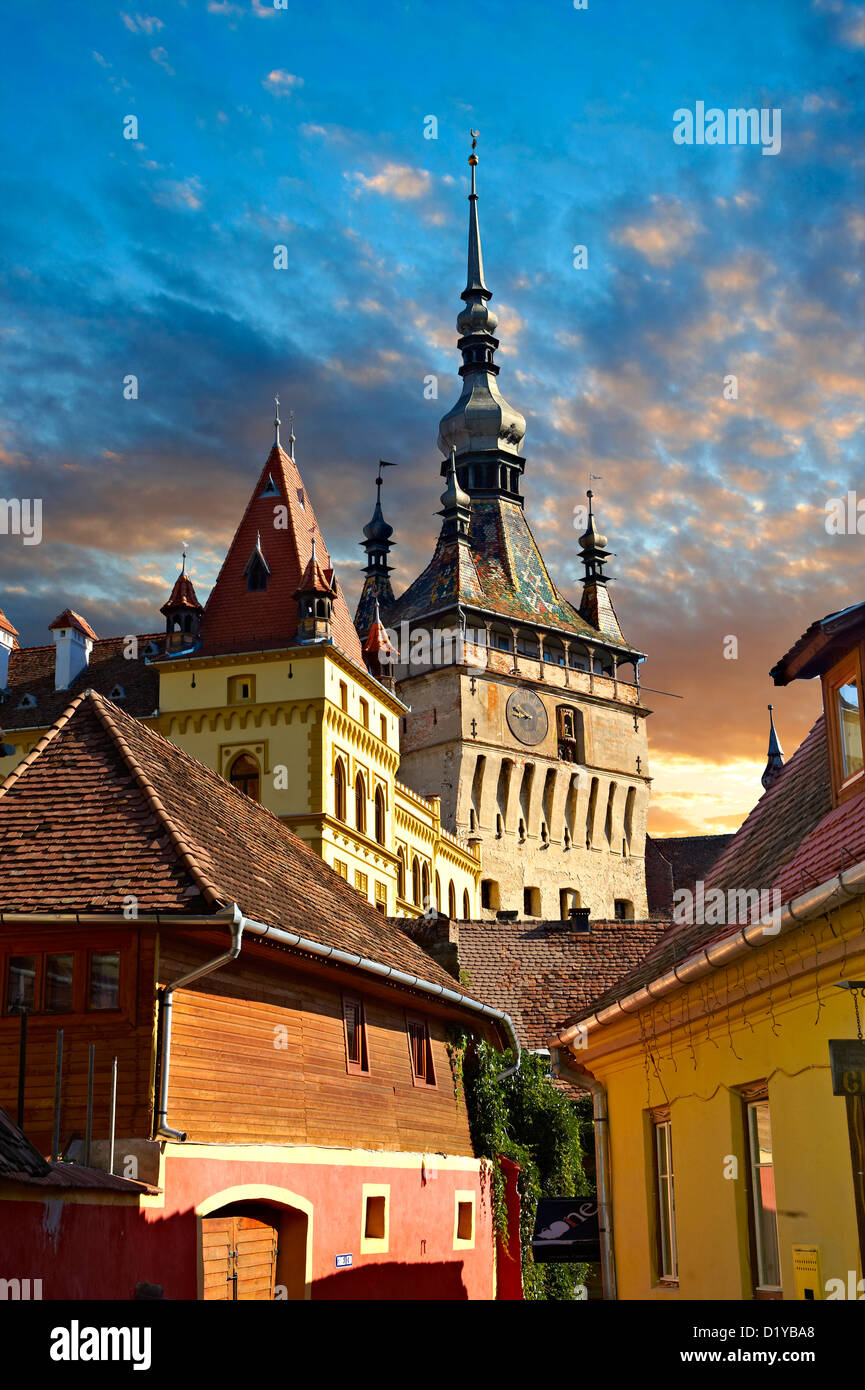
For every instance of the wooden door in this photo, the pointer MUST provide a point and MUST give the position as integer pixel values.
(239, 1258)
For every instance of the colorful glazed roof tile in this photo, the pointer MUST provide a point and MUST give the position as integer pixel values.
(240, 619)
(104, 807)
(500, 571)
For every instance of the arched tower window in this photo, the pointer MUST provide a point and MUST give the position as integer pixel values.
(415, 882)
(339, 789)
(452, 900)
(360, 803)
(379, 815)
(424, 886)
(245, 776)
(467, 907)
(400, 873)
(438, 894)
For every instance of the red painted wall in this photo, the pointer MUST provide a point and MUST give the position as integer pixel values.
(93, 1251)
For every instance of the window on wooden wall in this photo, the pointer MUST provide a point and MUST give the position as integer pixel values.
(360, 803)
(667, 1249)
(420, 1049)
(339, 789)
(61, 982)
(765, 1258)
(245, 775)
(379, 815)
(354, 1018)
(104, 991)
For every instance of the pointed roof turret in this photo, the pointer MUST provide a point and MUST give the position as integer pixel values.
(774, 756)
(456, 505)
(596, 605)
(183, 594)
(376, 586)
(486, 432)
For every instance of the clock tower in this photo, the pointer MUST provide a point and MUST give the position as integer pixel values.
(525, 713)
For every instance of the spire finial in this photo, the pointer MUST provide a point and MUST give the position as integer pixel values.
(185, 552)
(291, 434)
(774, 755)
(276, 421)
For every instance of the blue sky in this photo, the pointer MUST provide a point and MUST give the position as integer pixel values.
(305, 127)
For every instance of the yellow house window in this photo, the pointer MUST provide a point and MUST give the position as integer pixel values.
(381, 897)
(364, 713)
(361, 882)
(241, 690)
(341, 868)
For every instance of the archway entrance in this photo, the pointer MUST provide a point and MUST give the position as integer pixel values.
(254, 1251)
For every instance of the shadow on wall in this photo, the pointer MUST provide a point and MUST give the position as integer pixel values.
(396, 1282)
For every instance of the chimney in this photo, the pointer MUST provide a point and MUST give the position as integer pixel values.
(73, 643)
(8, 641)
(579, 917)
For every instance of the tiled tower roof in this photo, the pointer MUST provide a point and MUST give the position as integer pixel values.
(239, 618)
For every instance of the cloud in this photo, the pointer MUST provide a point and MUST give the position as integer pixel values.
(181, 193)
(396, 181)
(663, 235)
(141, 23)
(281, 83)
(160, 56)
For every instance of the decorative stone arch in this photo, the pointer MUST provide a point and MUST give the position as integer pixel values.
(293, 1216)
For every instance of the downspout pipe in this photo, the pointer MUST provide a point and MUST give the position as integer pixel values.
(163, 1129)
(564, 1067)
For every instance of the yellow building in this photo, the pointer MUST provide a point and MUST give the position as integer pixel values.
(731, 1160)
(270, 685)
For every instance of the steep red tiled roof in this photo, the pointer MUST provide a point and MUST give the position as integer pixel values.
(6, 625)
(69, 618)
(792, 840)
(107, 807)
(183, 594)
(239, 619)
(31, 672)
(538, 973)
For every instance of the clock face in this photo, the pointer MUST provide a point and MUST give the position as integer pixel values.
(527, 717)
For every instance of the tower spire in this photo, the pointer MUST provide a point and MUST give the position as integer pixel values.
(774, 756)
(456, 505)
(377, 544)
(484, 429)
(276, 422)
(291, 435)
(596, 605)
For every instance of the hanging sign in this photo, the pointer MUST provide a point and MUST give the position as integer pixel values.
(567, 1228)
(847, 1061)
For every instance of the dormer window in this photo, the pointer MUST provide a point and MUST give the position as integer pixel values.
(849, 711)
(27, 702)
(118, 693)
(845, 724)
(151, 649)
(257, 569)
(270, 489)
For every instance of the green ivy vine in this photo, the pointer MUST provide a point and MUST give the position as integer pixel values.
(533, 1122)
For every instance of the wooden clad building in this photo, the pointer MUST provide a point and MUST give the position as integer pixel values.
(284, 1092)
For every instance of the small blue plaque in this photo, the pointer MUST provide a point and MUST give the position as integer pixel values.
(343, 1261)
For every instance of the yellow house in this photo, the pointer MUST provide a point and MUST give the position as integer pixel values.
(270, 685)
(728, 1069)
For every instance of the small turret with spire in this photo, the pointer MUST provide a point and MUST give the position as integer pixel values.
(314, 597)
(456, 506)
(182, 612)
(596, 605)
(774, 756)
(377, 589)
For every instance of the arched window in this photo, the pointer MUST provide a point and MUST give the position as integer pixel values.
(467, 907)
(424, 886)
(379, 815)
(415, 882)
(452, 900)
(400, 873)
(339, 789)
(360, 803)
(245, 776)
(438, 894)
